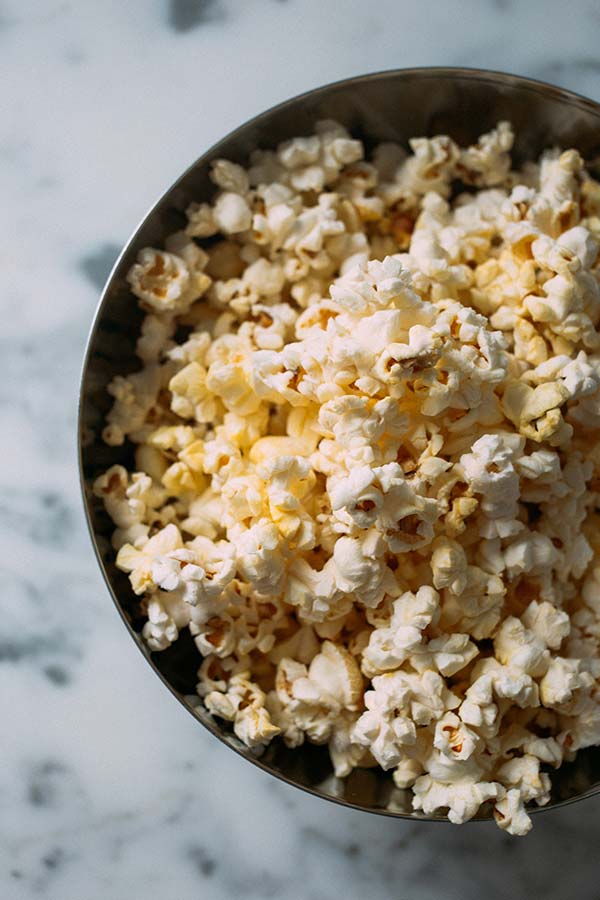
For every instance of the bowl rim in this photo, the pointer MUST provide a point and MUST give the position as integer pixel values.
(492, 76)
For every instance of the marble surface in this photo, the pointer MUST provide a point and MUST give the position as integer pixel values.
(108, 788)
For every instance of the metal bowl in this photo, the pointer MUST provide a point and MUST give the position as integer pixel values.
(388, 106)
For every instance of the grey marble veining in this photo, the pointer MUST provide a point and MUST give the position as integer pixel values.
(108, 789)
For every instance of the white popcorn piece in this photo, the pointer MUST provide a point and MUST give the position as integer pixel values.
(397, 703)
(138, 562)
(303, 646)
(190, 395)
(204, 583)
(199, 574)
(315, 593)
(548, 623)
(232, 213)
(243, 703)
(489, 471)
(201, 220)
(112, 487)
(446, 769)
(355, 498)
(508, 683)
(406, 518)
(229, 176)
(259, 558)
(317, 699)
(358, 573)
(288, 479)
(582, 243)
(431, 168)
(478, 708)
(520, 649)
(475, 609)
(154, 340)
(390, 646)
(375, 286)
(557, 176)
(488, 162)
(461, 799)
(406, 772)
(537, 411)
(523, 773)
(165, 283)
(447, 654)
(510, 814)
(241, 624)
(454, 739)
(449, 565)
(167, 615)
(561, 680)
(531, 553)
(383, 728)
(136, 399)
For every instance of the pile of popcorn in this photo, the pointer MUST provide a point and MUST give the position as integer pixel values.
(367, 461)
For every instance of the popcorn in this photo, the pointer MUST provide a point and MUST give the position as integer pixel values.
(431, 167)
(231, 213)
(315, 592)
(366, 472)
(489, 471)
(259, 559)
(204, 582)
(243, 703)
(113, 489)
(288, 479)
(448, 654)
(138, 562)
(478, 708)
(524, 773)
(359, 574)
(397, 703)
(488, 162)
(390, 646)
(519, 648)
(382, 728)
(476, 607)
(557, 176)
(548, 623)
(167, 615)
(191, 397)
(317, 699)
(165, 283)
(561, 680)
(530, 552)
(201, 220)
(407, 518)
(462, 799)
(229, 176)
(154, 338)
(508, 683)
(510, 815)
(136, 399)
(454, 739)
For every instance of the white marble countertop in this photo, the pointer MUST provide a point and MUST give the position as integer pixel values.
(109, 788)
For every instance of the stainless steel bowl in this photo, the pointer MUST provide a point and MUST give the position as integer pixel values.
(393, 106)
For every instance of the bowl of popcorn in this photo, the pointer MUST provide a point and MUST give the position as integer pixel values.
(339, 436)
